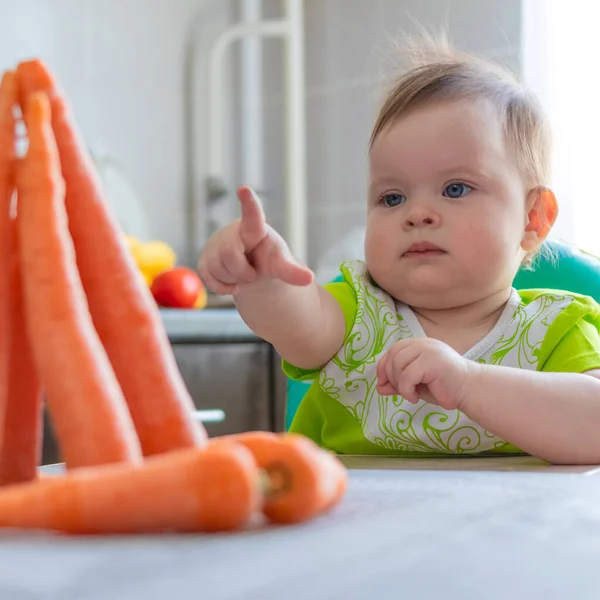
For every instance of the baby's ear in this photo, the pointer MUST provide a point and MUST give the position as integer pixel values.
(543, 211)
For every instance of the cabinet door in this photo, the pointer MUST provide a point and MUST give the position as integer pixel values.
(235, 378)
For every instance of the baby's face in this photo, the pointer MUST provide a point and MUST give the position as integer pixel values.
(447, 207)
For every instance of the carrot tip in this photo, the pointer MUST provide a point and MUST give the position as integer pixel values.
(8, 92)
(8, 77)
(35, 75)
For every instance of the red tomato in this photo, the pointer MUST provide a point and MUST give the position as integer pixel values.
(177, 288)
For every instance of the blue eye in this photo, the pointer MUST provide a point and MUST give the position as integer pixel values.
(457, 190)
(393, 199)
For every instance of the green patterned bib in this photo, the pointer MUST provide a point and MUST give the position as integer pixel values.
(344, 412)
(397, 424)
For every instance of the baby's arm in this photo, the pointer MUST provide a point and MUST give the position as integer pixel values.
(555, 416)
(277, 298)
(304, 324)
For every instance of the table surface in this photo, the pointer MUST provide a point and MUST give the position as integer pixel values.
(449, 528)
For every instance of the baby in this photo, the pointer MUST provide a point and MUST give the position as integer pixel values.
(425, 348)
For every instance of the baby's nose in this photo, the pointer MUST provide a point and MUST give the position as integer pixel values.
(421, 219)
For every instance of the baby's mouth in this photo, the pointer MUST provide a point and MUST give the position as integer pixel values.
(423, 249)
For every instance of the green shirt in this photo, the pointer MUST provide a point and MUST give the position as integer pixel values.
(541, 330)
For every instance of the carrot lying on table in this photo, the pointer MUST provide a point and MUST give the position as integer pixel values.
(8, 98)
(190, 490)
(123, 310)
(86, 404)
(302, 480)
(21, 449)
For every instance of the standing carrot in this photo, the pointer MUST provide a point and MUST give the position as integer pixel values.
(190, 490)
(8, 100)
(89, 413)
(122, 308)
(23, 426)
(20, 391)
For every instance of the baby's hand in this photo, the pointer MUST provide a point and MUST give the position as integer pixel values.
(248, 250)
(425, 369)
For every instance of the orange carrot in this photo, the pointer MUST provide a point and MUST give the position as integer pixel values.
(20, 403)
(302, 480)
(190, 490)
(86, 404)
(333, 472)
(20, 412)
(8, 99)
(23, 426)
(123, 310)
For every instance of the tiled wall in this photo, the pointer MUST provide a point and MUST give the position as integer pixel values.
(121, 62)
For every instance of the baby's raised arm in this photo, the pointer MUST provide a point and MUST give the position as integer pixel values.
(277, 297)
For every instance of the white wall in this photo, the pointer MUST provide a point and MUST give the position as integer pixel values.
(121, 64)
(560, 43)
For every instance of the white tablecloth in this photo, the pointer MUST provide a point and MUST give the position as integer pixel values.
(416, 534)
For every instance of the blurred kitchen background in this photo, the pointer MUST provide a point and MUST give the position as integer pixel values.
(179, 109)
(136, 72)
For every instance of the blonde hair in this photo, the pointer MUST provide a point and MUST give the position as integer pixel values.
(441, 73)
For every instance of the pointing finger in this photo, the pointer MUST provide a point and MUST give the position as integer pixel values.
(253, 227)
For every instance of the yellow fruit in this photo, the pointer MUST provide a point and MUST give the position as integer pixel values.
(153, 258)
(132, 242)
(147, 278)
(201, 300)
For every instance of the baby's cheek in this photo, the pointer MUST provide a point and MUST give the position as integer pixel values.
(488, 260)
(380, 248)
(479, 242)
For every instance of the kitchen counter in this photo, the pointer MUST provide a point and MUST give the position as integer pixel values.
(510, 528)
(227, 367)
(210, 325)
